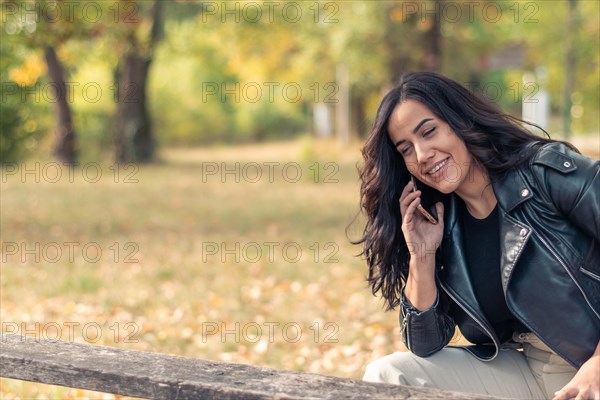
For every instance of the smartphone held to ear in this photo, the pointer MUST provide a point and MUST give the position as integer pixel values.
(426, 204)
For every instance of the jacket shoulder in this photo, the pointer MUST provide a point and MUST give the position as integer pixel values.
(558, 156)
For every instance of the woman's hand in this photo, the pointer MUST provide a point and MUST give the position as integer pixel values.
(422, 237)
(585, 385)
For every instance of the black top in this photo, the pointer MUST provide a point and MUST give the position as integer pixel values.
(482, 252)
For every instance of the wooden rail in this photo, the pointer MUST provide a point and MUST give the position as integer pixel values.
(159, 376)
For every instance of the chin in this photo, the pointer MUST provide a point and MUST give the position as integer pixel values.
(445, 189)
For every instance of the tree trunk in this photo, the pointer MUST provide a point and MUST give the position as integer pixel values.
(397, 61)
(359, 117)
(65, 149)
(410, 49)
(342, 107)
(134, 139)
(433, 43)
(400, 38)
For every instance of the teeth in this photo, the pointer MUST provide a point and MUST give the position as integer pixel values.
(437, 167)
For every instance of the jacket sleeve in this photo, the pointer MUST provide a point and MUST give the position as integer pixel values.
(572, 182)
(425, 332)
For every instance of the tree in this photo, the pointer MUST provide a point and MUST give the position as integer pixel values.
(43, 25)
(133, 135)
(65, 148)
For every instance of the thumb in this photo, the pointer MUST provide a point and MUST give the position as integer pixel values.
(439, 208)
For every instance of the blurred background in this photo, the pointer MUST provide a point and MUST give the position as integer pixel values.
(181, 176)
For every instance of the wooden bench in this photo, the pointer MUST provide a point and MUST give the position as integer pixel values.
(159, 376)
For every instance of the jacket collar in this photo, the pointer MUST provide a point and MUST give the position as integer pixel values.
(511, 190)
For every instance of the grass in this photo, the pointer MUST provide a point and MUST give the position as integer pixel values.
(166, 274)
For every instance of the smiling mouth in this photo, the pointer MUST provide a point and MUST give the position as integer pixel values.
(438, 166)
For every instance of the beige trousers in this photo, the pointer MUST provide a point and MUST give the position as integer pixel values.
(533, 372)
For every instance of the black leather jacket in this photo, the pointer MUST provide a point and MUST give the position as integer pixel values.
(550, 263)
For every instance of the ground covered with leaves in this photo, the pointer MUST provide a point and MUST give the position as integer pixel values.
(229, 254)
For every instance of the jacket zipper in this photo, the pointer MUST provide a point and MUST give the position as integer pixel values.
(407, 330)
(561, 262)
(490, 334)
(588, 273)
(587, 257)
(530, 226)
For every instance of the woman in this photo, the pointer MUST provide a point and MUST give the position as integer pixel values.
(514, 260)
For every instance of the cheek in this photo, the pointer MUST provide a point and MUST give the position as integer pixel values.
(465, 158)
(411, 165)
(460, 153)
(464, 161)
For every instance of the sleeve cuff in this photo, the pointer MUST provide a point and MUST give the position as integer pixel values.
(407, 305)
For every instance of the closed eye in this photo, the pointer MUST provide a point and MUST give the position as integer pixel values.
(428, 132)
(406, 150)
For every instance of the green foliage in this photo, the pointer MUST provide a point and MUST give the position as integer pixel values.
(215, 104)
(19, 128)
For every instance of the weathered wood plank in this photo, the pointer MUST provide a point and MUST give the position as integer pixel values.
(160, 376)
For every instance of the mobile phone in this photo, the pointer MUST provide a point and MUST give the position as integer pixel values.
(427, 205)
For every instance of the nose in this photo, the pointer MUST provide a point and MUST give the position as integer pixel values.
(423, 152)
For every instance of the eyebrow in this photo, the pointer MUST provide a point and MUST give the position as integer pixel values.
(399, 142)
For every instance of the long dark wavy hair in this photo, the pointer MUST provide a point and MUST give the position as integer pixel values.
(496, 140)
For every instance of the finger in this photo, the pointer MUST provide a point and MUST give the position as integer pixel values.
(409, 214)
(410, 196)
(586, 393)
(565, 394)
(407, 189)
(408, 199)
(439, 208)
(559, 396)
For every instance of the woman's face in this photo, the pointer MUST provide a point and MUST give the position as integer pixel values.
(433, 153)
